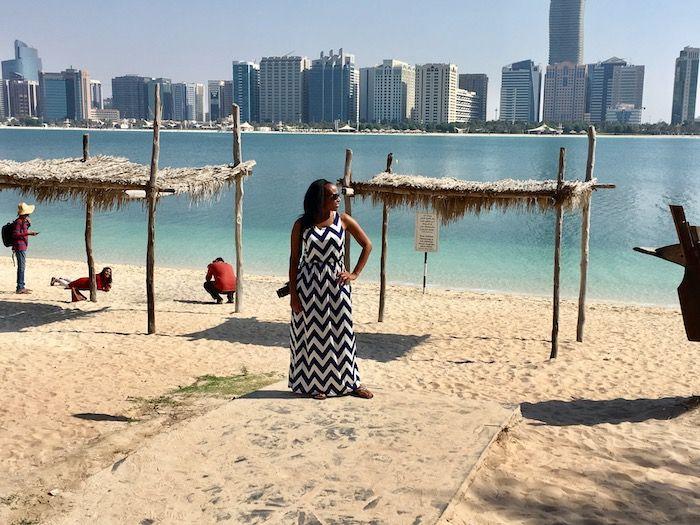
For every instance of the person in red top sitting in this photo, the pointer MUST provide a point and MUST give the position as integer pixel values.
(103, 280)
(224, 280)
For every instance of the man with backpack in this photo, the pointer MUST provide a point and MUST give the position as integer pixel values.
(16, 234)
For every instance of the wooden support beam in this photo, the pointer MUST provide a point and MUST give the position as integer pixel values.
(89, 207)
(389, 161)
(86, 147)
(238, 209)
(347, 201)
(557, 257)
(382, 270)
(152, 194)
(585, 236)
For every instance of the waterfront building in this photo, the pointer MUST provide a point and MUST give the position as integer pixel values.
(565, 86)
(332, 88)
(624, 114)
(96, 94)
(467, 106)
(393, 97)
(4, 108)
(166, 98)
(22, 98)
(282, 89)
(628, 86)
(200, 102)
(214, 88)
(107, 115)
(246, 89)
(226, 99)
(477, 83)
(366, 93)
(520, 92)
(685, 86)
(65, 95)
(611, 83)
(566, 31)
(436, 93)
(130, 96)
(179, 101)
(25, 66)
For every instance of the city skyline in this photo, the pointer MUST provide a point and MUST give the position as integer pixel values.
(633, 30)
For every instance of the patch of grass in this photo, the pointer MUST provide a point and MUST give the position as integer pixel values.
(227, 386)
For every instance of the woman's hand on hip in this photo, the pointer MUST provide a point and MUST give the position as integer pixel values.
(345, 277)
(295, 303)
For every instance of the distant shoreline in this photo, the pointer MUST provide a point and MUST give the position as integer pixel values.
(356, 134)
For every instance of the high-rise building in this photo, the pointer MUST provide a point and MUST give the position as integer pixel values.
(96, 94)
(200, 102)
(476, 83)
(4, 109)
(166, 98)
(25, 66)
(246, 90)
(436, 93)
(624, 114)
(333, 88)
(520, 92)
(190, 101)
(22, 98)
(65, 95)
(566, 31)
(565, 86)
(467, 109)
(283, 89)
(226, 99)
(393, 92)
(685, 86)
(130, 96)
(628, 86)
(179, 101)
(612, 83)
(366, 93)
(214, 88)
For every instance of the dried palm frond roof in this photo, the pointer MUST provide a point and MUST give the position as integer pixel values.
(106, 179)
(452, 198)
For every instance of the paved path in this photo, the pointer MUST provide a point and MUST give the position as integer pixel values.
(274, 458)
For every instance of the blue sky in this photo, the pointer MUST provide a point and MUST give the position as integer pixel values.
(196, 41)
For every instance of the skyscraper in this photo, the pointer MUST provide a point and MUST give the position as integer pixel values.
(166, 98)
(565, 86)
(3, 99)
(601, 87)
(366, 93)
(226, 99)
(628, 86)
(246, 89)
(22, 98)
(214, 88)
(65, 95)
(96, 94)
(477, 83)
(333, 88)
(436, 93)
(179, 101)
(394, 91)
(200, 102)
(685, 86)
(520, 92)
(26, 64)
(130, 96)
(283, 88)
(566, 31)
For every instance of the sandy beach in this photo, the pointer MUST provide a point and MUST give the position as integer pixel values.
(608, 434)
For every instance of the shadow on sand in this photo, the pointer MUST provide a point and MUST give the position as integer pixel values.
(613, 411)
(378, 346)
(16, 316)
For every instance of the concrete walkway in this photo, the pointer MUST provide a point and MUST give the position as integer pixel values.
(272, 457)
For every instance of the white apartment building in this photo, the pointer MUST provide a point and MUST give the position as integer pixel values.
(200, 102)
(436, 93)
(467, 106)
(393, 98)
(282, 88)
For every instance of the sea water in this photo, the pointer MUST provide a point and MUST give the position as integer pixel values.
(501, 251)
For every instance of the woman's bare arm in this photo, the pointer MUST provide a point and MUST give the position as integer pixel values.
(295, 255)
(353, 228)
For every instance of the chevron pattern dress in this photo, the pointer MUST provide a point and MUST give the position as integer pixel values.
(322, 336)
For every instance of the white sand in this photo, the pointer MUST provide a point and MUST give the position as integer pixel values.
(599, 441)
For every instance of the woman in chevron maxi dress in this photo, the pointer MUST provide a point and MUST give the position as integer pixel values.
(322, 336)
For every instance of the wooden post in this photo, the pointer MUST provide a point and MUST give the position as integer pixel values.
(382, 272)
(89, 206)
(152, 194)
(585, 236)
(238, 209)
(557, 254)
(389, 160)
(347, 201)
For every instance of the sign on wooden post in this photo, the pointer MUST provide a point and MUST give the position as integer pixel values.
(427, 238)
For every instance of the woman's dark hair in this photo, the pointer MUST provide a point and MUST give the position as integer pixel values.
(314, 200)
(106, 280)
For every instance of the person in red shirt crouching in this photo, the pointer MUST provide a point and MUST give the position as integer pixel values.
(224, 280)
(103, 280)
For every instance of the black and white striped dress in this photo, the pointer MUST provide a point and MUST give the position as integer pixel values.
(322, 336)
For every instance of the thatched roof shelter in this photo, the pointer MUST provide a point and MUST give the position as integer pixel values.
(106, 179)
(452, 198)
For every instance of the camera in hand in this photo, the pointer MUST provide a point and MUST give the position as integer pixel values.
(284, 291)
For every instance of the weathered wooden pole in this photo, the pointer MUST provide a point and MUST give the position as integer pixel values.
(89, 206)
(585, 236)
(347, 200)
(151, 195)
(382, 270)
(557, 255)
(238, 210)
(389, 160)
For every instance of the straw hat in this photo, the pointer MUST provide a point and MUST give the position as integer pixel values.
(25, 209)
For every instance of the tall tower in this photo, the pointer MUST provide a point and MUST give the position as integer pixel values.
(685, 85)
(566, 31)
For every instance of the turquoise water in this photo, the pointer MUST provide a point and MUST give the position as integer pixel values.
(509, 251)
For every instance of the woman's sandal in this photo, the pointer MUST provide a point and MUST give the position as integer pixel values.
(363, 392)
(320, 396)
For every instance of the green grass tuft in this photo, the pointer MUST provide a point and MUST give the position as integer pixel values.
(227, 386)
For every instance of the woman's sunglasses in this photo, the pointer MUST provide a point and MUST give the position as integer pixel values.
(334, 196)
